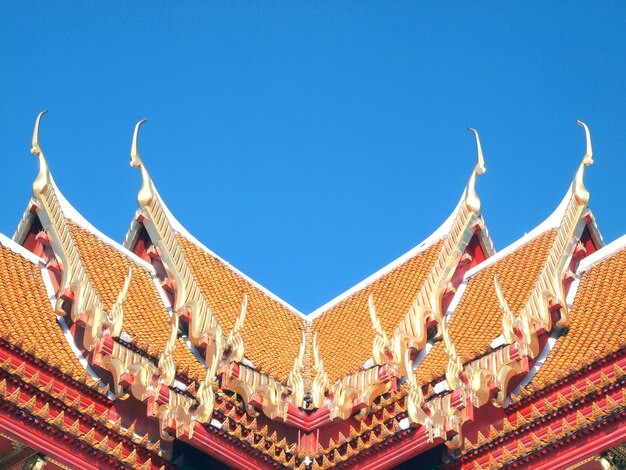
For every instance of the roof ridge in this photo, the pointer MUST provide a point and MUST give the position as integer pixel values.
(180, 229)
(551, 222)
(71, 213)
(429, 241)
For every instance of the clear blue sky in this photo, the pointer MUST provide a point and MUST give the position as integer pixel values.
(312, 143)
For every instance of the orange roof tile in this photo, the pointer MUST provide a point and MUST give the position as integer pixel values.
(345, 333)
(597, 321)
(271, 332)
(477, 319)
(146, 318)
(26, 312)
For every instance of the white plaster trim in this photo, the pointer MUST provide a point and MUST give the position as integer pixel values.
(602, 254)
(554, 335)
(178, 227)
(20, 250)
(71, 213)
(571, 294)
(162, 294)
(421, 355)
(499, 341)
(180, 386)
(193, 350)
(454, 303)
(68, 335)
(437, 235)
(441, 387)
(553, 221)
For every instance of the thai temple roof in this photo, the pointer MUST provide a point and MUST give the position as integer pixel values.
(156, 353)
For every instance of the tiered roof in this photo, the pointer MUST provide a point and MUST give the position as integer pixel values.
(135, 354)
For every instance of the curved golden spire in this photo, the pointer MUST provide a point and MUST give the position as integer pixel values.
(43, 178)
(471, 198)
(581, 193)
(146, 192)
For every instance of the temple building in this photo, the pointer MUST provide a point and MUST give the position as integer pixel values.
(156, 353)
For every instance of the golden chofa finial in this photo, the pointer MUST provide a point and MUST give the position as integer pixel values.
(43, 178)
(471, 198)
(146, 192)
(580, 192)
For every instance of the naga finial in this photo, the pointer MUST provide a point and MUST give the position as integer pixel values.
(471, 198)
(321, 382)
(415, 397)
(43, 177)
(167, 365)
(508, 318)
(235, 339)
(146, 193)
(295, 380)
(381, 341)
(516, 328)
(455, 366)
(117, 311)
(580, 192)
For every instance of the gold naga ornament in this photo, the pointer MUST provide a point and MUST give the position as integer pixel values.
(521, 330)
(117, 311)
(321, 381)
(295, 380)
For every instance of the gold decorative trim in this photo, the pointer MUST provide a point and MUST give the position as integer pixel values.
(295, 380)
(117, 311)
(321, 381)
(86, 306)
(521, 331)
(167, 366)
(454, 368)
(204, 328)
(427, 304)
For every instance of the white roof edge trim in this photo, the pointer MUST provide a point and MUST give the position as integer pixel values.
(71, 213)
(437, 235)
(178, 227)
(553, 221)
(603, 253)
(20, 250)
(52, 297)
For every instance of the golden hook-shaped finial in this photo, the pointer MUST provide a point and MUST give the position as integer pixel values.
(580, 192)
(146, 192)
(43, 177)
(35, 148)
(135, 157)
(471, 198)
